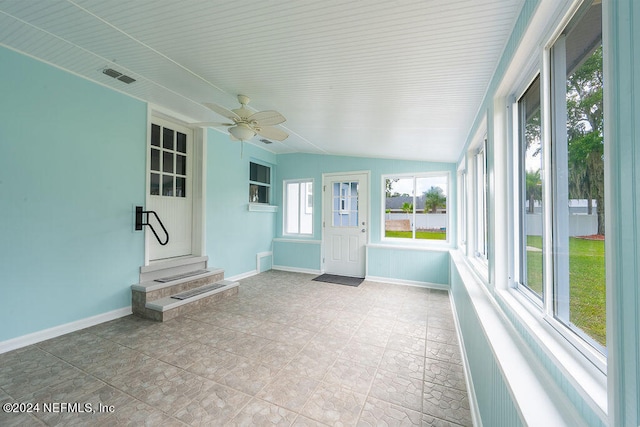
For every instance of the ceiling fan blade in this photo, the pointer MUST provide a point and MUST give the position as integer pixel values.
(272, 133)
(267, 118)
(207, 124)
(221, 110)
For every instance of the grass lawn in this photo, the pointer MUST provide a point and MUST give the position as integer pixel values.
(586, 281)
(433, 235)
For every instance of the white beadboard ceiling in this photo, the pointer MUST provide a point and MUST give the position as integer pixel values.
(398, 79)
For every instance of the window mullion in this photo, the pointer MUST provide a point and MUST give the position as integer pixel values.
(561, 180)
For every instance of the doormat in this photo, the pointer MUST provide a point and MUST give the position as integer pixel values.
(339, 280)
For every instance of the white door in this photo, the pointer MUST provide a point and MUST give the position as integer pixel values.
(345, 214)
(170, 186)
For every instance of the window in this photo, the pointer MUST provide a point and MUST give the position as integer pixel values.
(298, 207)
(577, 174)
(481, 202)
(344, 211)
(259, 183)
(168, 171)
(416, 206)
(561, 211)
(530, 194)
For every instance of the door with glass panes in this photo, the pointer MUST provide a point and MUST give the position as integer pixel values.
(170, 187)
(345, 223)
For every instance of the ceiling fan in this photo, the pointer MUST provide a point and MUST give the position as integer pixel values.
(246, 124)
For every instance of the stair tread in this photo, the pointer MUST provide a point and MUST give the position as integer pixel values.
(153, 285)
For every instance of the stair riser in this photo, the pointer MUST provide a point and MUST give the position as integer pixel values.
(163, 316)
(139, 299)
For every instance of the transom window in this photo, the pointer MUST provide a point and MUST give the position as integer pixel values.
(416, 206)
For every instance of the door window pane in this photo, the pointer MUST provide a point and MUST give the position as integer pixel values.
(164, 158)
(181, 164)
(155, 160)
(167, 185)
(167, 162)
(154, 183)
(181, 142)
(345, 204)
(167, 138)
(181, 187)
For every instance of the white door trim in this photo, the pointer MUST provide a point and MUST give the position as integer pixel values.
(325, 178)
(198, 187)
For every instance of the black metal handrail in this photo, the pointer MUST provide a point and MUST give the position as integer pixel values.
(140, 212)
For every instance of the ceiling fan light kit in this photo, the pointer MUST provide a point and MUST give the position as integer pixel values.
(242, 132)
(246, 124)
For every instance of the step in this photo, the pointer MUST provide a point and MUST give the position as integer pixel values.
(169, 307)
(153, 290)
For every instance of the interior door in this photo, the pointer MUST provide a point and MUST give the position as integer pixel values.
(170, 187)
(345, 221)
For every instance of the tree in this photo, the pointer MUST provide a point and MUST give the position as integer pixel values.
(585, 130)
(533, 188)
(407, 208)
(389, 184)
(434, 199)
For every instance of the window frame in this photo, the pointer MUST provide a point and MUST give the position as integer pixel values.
(481, 211)
(413, 240)
(582, 346)
(267, 185)
(303, 205)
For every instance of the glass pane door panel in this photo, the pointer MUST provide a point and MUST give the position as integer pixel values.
(167, 185)
(167, 138)
(345, 204)
(155, 159)
(154, 184)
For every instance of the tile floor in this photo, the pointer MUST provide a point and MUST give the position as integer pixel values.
(284, 351)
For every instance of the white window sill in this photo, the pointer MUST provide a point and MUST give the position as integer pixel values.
(260, 207)
(585, 377)
(407, 245)
(540, 400)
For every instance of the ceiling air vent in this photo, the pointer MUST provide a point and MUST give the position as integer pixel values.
(118, 75)
(266, 141)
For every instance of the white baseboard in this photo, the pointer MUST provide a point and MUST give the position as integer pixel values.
(393, 281)
(56, 331)
(295, 269)
(242, 276)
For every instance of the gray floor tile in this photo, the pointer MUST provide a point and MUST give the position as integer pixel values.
(284, 351)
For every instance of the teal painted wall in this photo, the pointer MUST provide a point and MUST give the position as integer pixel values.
(409, 264)
(72, 158)
(495, 401)
(304, 256)
(298, 166)
(234, 236)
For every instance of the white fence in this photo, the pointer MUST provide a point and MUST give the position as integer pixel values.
(423, 221)
(579, 224)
